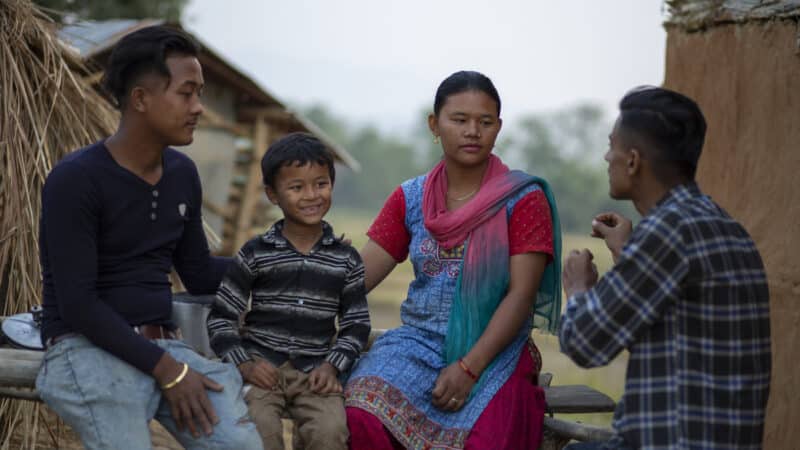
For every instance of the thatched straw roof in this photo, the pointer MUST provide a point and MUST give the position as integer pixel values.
(45, 111)
(692, 15)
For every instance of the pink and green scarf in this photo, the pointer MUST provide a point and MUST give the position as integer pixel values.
(483, 280)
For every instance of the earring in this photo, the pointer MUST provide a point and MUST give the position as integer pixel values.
(436, 139)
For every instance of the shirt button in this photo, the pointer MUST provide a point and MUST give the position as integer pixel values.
(154, 204)
(153, 216)
(155, 192)
(299, 302)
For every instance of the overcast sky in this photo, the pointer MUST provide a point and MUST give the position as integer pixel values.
(380, 61)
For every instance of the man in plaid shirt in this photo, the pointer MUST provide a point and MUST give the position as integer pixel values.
(687, 295)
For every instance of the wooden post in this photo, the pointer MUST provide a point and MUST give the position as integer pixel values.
(254, 188)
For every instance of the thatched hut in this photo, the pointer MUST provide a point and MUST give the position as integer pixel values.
(241, 119)
(741, 60)
(46, 110)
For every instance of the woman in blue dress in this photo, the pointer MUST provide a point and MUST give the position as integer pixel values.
(484, 242)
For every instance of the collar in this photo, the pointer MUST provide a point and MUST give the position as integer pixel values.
(679, 193)
(275, 236)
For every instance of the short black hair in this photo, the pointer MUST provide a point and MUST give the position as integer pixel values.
(295, 149)
(463, 81)
(141, 52)
(669, 125)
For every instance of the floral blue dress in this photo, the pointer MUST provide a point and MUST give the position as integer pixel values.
(394, 380)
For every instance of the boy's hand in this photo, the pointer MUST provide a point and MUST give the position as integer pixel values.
(322, 379)
(260, 373)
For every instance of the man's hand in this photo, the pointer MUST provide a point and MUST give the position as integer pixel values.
(613, 228)
(579, 273)
(188, 400)
(452, 388)
(322, 379)
(260, 373)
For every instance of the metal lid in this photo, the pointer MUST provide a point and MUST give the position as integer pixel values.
(22, 331)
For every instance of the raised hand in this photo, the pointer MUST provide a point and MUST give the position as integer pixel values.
(260, 373)
(613, 228)
(323, 379)
(579, 273)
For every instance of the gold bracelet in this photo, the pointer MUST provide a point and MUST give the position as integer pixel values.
(178, 379)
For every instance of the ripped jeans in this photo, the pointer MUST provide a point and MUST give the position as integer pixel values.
(109, 403)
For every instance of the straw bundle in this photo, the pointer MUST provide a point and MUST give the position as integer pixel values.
(46, 110)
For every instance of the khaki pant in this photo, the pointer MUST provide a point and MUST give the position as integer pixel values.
(319, 419)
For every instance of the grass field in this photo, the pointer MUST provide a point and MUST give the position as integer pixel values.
(385, 300)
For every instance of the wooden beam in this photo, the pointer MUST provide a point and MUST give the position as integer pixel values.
(215, 119)
(253, 188)
(20, 393)
(18, 368)
(214, 208)
(575, 399)
(276, 116)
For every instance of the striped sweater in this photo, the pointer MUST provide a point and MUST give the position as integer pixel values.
(296, 300)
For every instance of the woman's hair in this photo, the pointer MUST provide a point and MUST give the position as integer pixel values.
(670, 126)
(295, 149)
(142, 52)
(463, 81)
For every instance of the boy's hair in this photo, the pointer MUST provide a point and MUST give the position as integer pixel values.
(141, 52)
(295, 149)
(669, 124)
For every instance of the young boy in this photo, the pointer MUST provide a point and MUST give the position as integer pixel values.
(300, 278)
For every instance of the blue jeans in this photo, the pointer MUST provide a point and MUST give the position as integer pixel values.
(109, 403)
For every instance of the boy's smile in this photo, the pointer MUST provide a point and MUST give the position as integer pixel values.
(303, 193)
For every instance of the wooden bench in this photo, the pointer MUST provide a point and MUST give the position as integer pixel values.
(18, 370)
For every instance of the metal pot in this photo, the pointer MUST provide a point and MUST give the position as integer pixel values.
(189, 312)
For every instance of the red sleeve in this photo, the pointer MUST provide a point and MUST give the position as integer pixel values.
(389, 228)
(531, 227)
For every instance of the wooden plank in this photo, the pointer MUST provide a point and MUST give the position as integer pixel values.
(19, 393)
(18, 368)
(253, 189)
(577, 399)
(577, 430)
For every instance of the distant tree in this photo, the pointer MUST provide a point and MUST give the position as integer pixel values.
(71, 10)
(566, 148)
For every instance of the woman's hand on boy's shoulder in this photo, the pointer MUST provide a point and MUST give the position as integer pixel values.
(324, 379)
(259, 373)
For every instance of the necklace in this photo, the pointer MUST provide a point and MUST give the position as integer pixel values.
(458, 199)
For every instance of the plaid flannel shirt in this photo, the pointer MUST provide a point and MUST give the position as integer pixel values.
(688, 298)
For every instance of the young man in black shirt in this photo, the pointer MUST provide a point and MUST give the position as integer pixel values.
(116, 217)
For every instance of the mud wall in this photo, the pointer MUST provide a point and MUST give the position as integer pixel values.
(746, 78)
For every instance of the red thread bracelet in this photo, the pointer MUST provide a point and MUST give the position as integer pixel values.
(466, 370)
